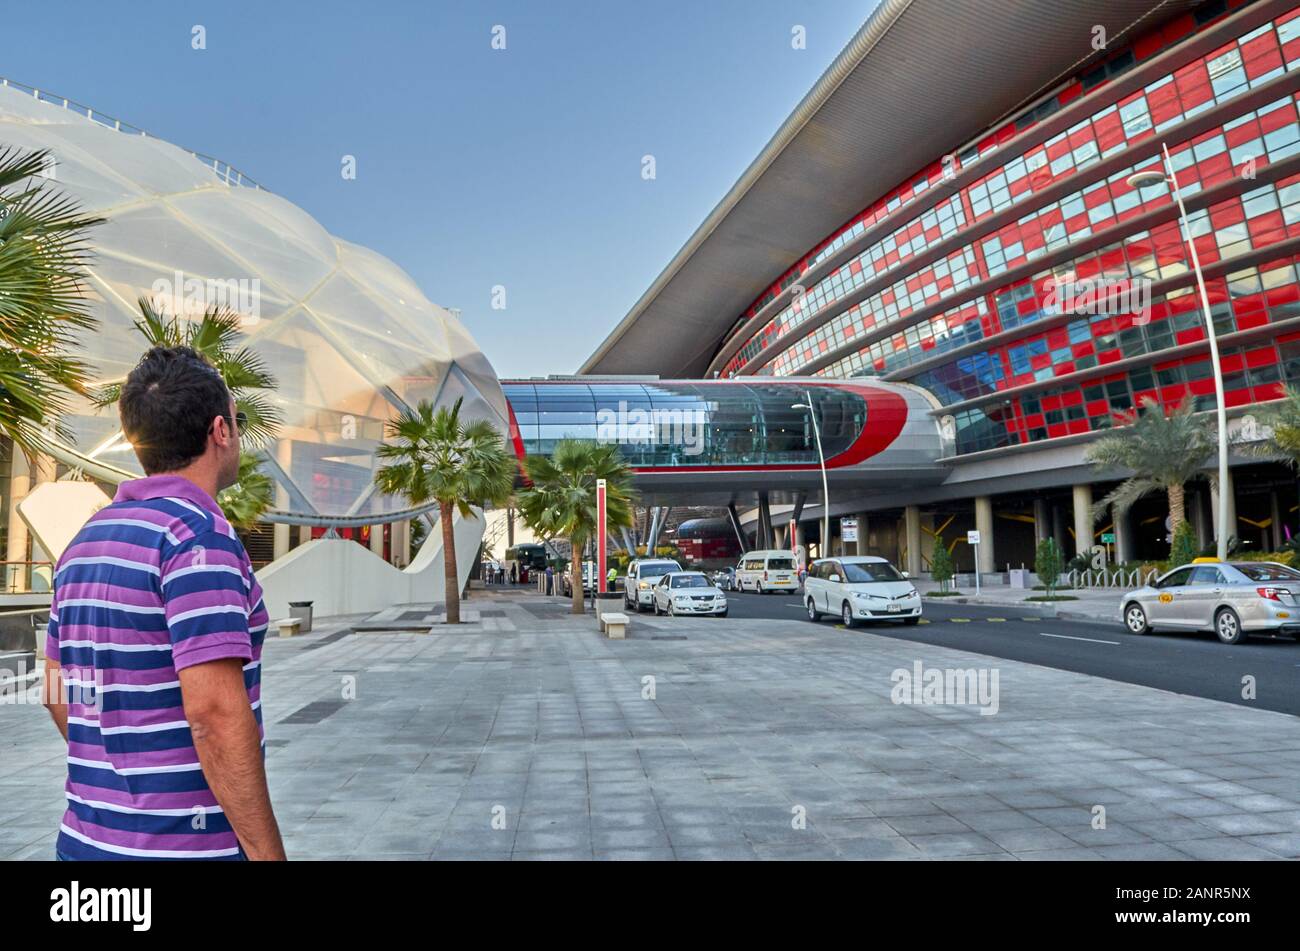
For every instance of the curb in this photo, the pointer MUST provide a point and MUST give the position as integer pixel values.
(1047, 610)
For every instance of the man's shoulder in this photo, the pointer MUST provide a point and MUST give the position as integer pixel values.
(167, 522)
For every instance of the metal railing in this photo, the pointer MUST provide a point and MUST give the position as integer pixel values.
(1110, 577)
(223, 170)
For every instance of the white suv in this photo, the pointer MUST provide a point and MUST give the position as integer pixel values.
(642, 575)
(860, 589)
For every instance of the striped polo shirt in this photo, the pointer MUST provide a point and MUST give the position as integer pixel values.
(152, 584)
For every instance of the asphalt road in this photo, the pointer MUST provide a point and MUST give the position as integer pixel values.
(1194, 664)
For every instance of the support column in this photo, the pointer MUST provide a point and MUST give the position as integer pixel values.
(1058, 528)
(912, 522)
(402, 544)
(281, 535)
(1200, 518)
(1042, 521)
(1275, 520)
(377, 539)
(510, 528)
(1082, 518)
(1228, 493)
(734, 516)
(304, 534)
(864, 538)
(984, 525)
(1123, 537)
(20, 483)
(764, 520)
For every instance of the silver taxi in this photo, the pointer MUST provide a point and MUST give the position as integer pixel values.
(1232, 598)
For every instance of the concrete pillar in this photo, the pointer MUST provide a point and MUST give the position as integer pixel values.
(510, 528)
(1123, 537)
(1058, 528)
(764, 521)
(281, 535)
(304, 534)
(1229, 493)
(912, 520)
(864, 538)
(20, 483)
(377, 539)
(1042, 521)
(401, 543)
(1200, 516)
(1082, 518)
(984, 525)
(1275, 520)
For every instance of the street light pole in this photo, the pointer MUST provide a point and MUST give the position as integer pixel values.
(1171, 179)
(826, 492)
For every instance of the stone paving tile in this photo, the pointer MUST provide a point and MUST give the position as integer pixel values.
(540, 726)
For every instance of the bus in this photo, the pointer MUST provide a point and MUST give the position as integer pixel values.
(526, 558)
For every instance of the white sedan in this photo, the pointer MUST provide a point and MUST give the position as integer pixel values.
(689, 592)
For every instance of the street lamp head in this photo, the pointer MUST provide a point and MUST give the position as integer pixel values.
(1146, 179)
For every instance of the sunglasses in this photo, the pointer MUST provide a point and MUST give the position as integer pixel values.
(241, 420)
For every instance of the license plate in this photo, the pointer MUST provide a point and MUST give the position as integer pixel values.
(782, 577)
(894, 608)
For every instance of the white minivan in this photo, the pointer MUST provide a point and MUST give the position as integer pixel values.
(642, 575)
(861, 588)
(764, 571)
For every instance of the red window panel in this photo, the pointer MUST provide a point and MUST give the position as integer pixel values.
(1291, 49)
(1077, 426)
(1261, 357)
(1237, 397)
(1201, 387)
(1232, 363)
(1148, 45)
(1176, 29)
(1173, 395)
(1057, 149)
(1269, 391)
(1193, 85)
(1286, 294)
(1034, 420)
(1096, 408)
(1228, 214)
(1191, 335)
(1109, 356)
(1256, 319)
(1267, 229)
(1277, 118)
(855, 267)
(1163, 104)
(1070, 93)
(1058, 429)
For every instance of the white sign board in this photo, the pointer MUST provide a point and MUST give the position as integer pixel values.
(972, 538)
(849, 528)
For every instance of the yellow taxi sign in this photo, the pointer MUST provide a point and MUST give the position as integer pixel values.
(1205, 561)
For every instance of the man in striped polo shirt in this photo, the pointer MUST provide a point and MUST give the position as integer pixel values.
(155, 635)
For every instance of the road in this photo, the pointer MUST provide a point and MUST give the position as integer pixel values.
(1194, 664)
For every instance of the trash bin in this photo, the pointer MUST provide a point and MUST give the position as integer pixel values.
(301, 611)
(607, 602)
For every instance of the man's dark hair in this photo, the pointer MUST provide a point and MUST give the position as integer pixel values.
(167, 406)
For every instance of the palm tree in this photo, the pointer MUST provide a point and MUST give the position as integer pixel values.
(245, 502)
(561, 502)
(43, 310)
(434, 456)
(1275, 433)
(1163, 452)
(217, 336)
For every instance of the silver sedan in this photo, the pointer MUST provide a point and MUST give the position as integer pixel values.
(1232, 599)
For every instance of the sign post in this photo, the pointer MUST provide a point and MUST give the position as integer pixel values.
(849, 529)
(1108, 539)
(598, 583)
(973, 539)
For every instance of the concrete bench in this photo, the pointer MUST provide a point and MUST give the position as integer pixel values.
(615, 624)
(290, 626)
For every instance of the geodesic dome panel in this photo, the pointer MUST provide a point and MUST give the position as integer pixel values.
(349, 336)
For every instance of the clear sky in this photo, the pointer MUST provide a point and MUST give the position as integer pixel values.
(475, 167)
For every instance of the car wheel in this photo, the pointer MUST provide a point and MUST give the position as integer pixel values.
(758, 588)
(722, 613)
(672, 610)
(656, 607)
(1135, 619)
(1228, 626)
(846, 615)
(813, 613)
(911, 621)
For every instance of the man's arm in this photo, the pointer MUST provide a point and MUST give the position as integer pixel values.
(230, 751)
(54, 697)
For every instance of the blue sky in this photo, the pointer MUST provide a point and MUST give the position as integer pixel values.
(475, 167)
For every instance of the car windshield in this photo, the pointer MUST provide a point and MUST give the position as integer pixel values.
(780, 564)
(1259, 571)
(654, 571)
(691, 581)
(859, 572)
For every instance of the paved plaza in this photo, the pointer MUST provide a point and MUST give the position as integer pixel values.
(525, 735)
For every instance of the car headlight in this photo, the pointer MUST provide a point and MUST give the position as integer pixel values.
(912, 593)
(862, 595)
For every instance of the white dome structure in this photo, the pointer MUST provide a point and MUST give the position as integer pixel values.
(349, 336)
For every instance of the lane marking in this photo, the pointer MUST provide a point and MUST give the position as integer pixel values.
(959, 620)
(927, 621)
(1071, 637)
(995, 619)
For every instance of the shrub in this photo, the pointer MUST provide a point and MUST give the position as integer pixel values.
(1183, 549)
(1048, 562)
(941, 567)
